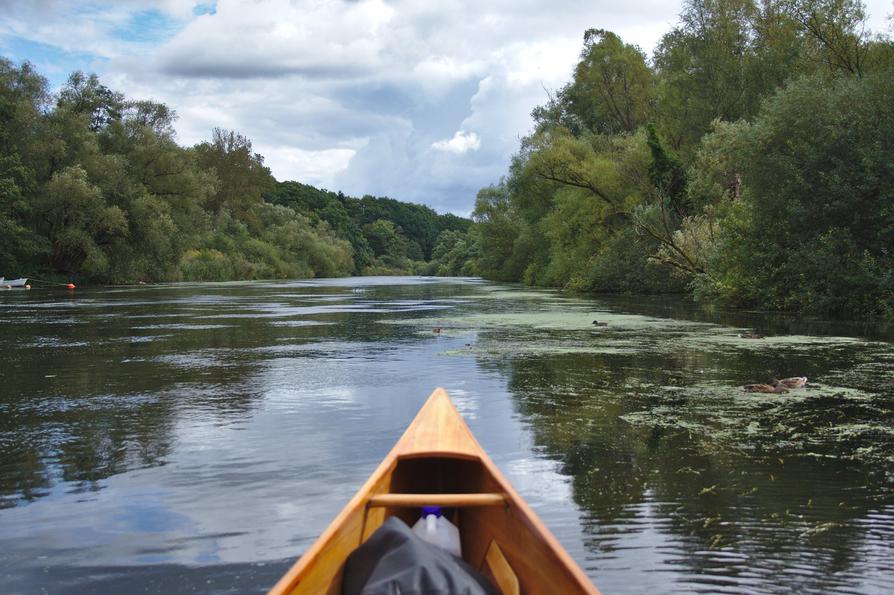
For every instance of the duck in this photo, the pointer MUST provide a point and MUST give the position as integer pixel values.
(764, 388)
(751, 336)
(793, 382)
(597, 323)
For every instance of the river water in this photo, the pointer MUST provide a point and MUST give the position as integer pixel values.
(198, 437)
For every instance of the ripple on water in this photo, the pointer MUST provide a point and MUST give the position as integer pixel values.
(142, 338)
(300, 323)
(197, 360)
(54, 342)
(182, 327)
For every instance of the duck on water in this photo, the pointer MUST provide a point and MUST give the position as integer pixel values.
(777, 386)
(751, 336)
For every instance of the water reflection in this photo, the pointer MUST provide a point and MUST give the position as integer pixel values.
(203, 433)
(734, 492)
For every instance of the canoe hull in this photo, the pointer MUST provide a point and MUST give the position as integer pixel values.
(439, 455)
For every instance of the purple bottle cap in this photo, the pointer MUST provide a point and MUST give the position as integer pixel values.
(427, 510)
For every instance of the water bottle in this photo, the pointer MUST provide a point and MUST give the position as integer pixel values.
(435, 529)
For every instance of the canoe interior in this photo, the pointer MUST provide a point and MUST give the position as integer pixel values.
(538, 567)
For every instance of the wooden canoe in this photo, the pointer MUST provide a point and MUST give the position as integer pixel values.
(438, 462)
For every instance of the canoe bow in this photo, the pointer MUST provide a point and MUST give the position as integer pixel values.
(491, 515)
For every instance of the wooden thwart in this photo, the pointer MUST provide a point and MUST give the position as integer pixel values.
(454, 500)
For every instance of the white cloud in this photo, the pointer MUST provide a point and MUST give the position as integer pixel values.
(317, 168)
(462, 142)
(367, 96)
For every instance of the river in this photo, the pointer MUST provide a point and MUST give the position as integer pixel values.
(198, 437)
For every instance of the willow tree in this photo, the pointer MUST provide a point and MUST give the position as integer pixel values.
(243, 178)
(610, 90)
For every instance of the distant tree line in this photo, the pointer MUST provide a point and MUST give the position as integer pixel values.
(750, 161)
(386, 235)
(94, 186)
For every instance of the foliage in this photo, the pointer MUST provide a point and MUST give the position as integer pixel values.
(78, 222)
(289, 246)
(749, 162)
(455, 254)
(610, 90)
(93, 185)
(241, 174)
(18, 243)
(818, 180)
(387, 236)
(499, 229)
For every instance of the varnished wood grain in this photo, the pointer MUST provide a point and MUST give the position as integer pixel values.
(500, 571)
(420, 500)
(435, 431)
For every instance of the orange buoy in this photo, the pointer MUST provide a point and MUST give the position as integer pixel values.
(70, 286)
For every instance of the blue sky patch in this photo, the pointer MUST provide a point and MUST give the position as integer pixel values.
(52, 62)
(147, 26)
(206, 8)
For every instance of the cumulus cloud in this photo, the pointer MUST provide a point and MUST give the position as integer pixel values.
(462, 142)
(420, 101)
(277, 38)
(317, 168)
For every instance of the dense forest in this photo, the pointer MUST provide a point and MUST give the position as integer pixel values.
(93, 186)
(386, 236)
(749, 161)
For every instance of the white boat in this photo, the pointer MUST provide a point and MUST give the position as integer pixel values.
(13, 282)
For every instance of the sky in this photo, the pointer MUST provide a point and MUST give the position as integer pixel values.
(418, 100)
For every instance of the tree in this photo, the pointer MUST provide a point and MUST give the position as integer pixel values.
(24, 97)
(25, 129)
(18, 243)
(838, 30)
(78, 222)
(242, 176)
(611, 85)
(703, 69)
(84, 95)
(499, 228)
(383, 238)
(455, 254)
